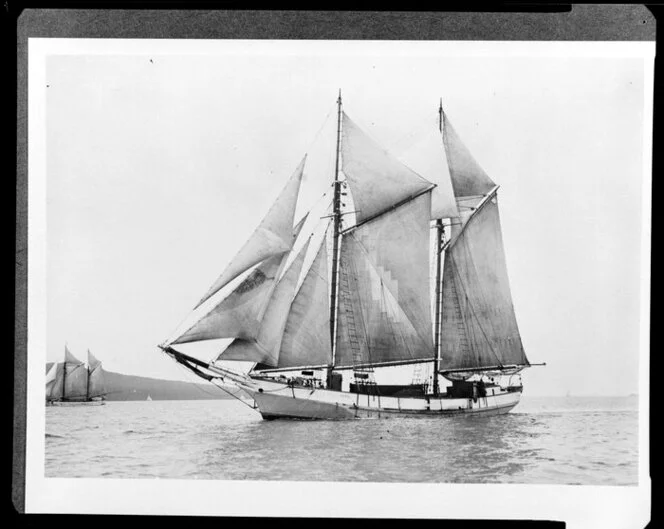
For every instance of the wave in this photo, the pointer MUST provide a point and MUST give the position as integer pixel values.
(52, 435)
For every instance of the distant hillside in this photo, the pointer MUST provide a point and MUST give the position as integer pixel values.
(130, 387)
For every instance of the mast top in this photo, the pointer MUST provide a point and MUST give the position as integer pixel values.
(339, 98)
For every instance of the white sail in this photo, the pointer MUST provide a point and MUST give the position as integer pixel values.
(479, 326)
(306, 338)
(384, 299)
(377, 180)
(427, 157)
(54, 381)
(238, 315)
(76, 381)
(265, 347)
(468, 178)
(272, 237)
(96, 383)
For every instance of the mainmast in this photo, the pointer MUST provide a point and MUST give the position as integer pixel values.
(440, 239)
(336, 215)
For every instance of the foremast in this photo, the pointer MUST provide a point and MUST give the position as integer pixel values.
(336, 234)
(440, 240)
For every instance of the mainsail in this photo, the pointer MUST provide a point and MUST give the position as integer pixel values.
(272, 237)
(479, 327)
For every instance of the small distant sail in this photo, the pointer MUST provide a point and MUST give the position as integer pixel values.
(70, 358)
(479, 327)
(384, 303)
(93, 362)
(54, 381)
(377, 179)
(272, 237)
(427, 157)
(468, 178)
(306, 337)
(265, 347)
(96, 385)
(238, 314)
(76, 381)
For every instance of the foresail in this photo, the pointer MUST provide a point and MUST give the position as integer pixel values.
(479, 327)
(377, 180)
(384, 305)
(468, 178)
(265, 347)
(427, 158)
(272, 237)
(306, 337)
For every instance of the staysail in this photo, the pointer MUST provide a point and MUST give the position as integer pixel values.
(306, 337)
(238, 315)
(272, 237)
(264, 347)
(479, 327)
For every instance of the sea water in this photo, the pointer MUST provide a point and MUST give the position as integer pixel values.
(564, 440)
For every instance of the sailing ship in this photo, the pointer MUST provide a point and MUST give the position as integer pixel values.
(318, 317)
(74, 383)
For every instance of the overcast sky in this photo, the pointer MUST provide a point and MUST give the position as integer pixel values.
(160, 165)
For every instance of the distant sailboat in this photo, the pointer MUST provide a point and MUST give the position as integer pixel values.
(73, 383)
(149, 397)
(368, 305)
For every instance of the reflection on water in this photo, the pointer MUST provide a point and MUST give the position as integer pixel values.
(566, 441)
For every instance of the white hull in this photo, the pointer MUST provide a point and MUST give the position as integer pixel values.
(279, 401)
(76, 403)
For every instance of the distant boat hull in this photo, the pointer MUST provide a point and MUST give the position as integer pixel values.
(280, 401)
(76, 403)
